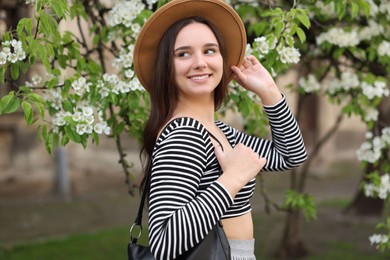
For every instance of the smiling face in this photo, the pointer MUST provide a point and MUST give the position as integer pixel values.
(198, 63)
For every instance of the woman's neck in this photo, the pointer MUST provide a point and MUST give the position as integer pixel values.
(201, 111)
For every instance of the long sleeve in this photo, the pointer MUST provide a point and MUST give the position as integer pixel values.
(286, 150)
(180, 217)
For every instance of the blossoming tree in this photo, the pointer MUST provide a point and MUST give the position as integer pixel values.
(88, 87)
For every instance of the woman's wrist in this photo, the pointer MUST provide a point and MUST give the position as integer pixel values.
(271, 97)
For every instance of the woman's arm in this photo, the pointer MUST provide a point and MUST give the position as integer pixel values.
(178, 218)
(286, 150)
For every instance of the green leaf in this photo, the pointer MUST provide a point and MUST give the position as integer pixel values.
(58, 8)
(340, 8)
(44, 132)
(40, 109)
(71, 133)
(365, 6)
(51, 141)
(27, 109)
(303, 19)
(29, 26)
(24, 66)
(34, 97)
(31, 58)
(67, 105)
(62, 60)
(2, 74)
(84, 141)
(93, 67)
(354, 9)
(301, 35)
(14, 71)
(9, 104)
(278, 28)
(65, 140)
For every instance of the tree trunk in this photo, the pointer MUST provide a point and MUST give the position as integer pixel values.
(292, 246)
(362, 205)
(365, 206)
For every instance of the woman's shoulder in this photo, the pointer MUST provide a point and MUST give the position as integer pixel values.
(182, 126)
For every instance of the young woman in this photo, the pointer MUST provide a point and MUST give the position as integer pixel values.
(202, 170)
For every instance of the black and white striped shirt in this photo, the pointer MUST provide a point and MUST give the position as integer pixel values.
(186, 200)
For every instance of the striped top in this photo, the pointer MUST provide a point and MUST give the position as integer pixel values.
(185, 199)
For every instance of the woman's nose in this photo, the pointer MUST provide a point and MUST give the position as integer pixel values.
(199, 61)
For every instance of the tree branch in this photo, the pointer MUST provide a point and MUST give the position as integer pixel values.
(316, 150)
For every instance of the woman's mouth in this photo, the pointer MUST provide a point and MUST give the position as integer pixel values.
(200, 77)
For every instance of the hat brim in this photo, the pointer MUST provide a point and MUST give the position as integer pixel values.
(218, 12)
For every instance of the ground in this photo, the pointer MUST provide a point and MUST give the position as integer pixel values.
(29, 211)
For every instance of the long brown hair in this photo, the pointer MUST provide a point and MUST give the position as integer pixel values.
(164, 93)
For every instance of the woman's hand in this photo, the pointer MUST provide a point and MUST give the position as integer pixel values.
(239, 165)
(254, 77)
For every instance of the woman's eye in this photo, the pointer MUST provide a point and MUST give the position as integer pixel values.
(183, 54)
(210, 51)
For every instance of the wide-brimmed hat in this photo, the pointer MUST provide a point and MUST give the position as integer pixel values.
(222, 15)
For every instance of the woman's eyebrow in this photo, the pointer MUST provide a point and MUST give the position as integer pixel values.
(189, 47)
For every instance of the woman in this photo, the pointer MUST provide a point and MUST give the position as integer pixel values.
(185, 56)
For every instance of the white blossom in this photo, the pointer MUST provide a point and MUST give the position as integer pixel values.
(248, 50)
(58, 118)
(339, 37)
(373, 29)
(3, 58)
(150, 3)
(369, 189)
(378, 239)
(102, 127)
(136, 85)
(87, 111)
(333, 86)
(369, 135)
(124, 12)
(326, 9)
(135, 28)
(104, 92)
(54, 97)
(384, 8)
(6, 54)
(288, 54)
(378, 89)
(371, 114)
(129, 73)
(386, 136)
(349, 80)
(36, 79)
(90, 119)
(310, 84)
(125, 59)
(77, 117)
(81, 129)
(112, 84)
(81, 86)
(382, 190)
(88, 129)
(374, 9)
(262, 46)
(384, 48)
(369, 152)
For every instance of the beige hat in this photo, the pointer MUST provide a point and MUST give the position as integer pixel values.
(222, 15)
